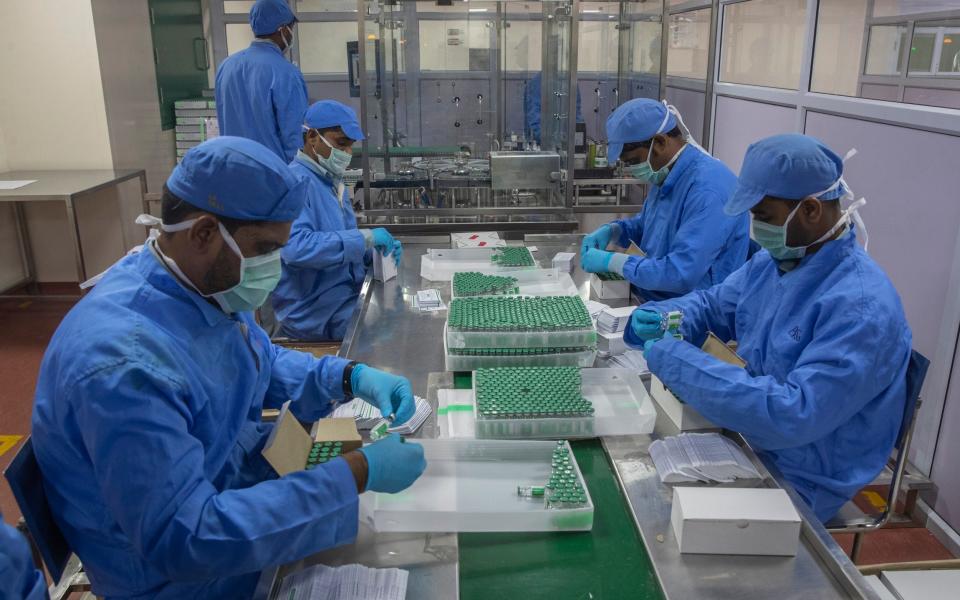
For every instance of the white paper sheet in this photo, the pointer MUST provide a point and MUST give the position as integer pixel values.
(14, 184)
(349, 582)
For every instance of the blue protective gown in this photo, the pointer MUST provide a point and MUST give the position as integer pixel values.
(827, 347)
(532, 110)
(262, 96)
(323, 263)
(689, 241)
(146, 425)
(19, 578)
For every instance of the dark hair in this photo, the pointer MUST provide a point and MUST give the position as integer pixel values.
(631, 146)
(174, 210)
(267, 36)
(321, 131)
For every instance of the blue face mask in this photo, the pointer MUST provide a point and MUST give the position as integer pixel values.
(336, 164)
(773, 238)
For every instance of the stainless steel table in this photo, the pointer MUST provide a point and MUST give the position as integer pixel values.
(66, 187)
(387, 333)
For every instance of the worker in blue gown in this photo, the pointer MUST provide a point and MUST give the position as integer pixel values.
(817, 321)
(532, 110)
(687, 240)
(260, 94)
(19, 578)
(327, 257)
(146, 421)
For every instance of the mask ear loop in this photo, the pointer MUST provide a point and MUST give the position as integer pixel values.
(687, 136)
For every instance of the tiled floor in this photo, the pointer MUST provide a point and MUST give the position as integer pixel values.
(27, 325)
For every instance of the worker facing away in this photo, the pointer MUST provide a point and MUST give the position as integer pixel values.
(817, 321)
(327, 257)
(19, 578)
(146, 421)
(260, 94)
(688, 241)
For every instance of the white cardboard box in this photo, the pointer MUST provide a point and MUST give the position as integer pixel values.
(611, 343)
(684, 416)
(563, 261)
(609, 290)
(939, 584)
(716, 520)
(384, 267)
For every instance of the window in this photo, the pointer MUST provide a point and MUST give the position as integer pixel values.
(521, 45)
(762, 42)
(598, 47)
(323, 45)
(237, 6)
(688, 46)
(326, 6)
(239, 36)
(872, 56)
(455, 45)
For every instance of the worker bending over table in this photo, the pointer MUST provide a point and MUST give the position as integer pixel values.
(327, 257)
(688, 241)
(146, 422)
(817, 321)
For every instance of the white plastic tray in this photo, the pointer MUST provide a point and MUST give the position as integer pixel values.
(563, 338)
(536, 282)
(471, 485)
(439, 264)
(621, 406)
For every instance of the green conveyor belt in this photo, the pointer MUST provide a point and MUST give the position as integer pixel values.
(607, 562)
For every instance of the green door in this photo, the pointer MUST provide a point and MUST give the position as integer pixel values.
(179, 51)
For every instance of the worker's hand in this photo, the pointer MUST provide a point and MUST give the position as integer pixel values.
(645, 325)
(383, 241)
(600, 238)
(390, 393)
(393, 464)
(649, 344)
(595, 261)
(397, 252)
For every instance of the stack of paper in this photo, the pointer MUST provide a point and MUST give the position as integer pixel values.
(595, 308)
(349, 582)
(363, 412)
(631, 359)
(563, 261)
(429, 300)
(413, 423)
(706, 457)
(614, 320)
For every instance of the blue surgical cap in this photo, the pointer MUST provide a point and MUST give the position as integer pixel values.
(267, 16)
(238, 178)
(330, 113)
(789, 166)
(636, 121)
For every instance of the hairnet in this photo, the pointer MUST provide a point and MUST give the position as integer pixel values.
(637, 120)
(789, 166)
(330, 113)
(267, 16)
(238, 178)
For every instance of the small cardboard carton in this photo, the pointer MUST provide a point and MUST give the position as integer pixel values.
(384, 267)
(289, 444)
(607, 288)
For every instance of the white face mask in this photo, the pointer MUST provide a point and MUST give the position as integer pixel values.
(289, 43)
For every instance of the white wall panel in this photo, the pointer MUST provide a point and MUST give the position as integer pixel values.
(738, 123)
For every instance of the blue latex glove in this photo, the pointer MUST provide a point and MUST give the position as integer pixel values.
(383, 241)
(646, 325)
(649, 344)
(595, 261)
(390, 393)
(393, 464)
(397, 252)
(599, 239)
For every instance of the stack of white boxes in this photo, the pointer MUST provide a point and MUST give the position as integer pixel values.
(196, 123)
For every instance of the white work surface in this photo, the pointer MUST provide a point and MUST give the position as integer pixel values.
(923, 585)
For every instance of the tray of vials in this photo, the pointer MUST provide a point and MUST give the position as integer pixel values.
(560, 402)
(519, 322)
(469, 359)
(487, 485)
(532, 282)
(440, 264)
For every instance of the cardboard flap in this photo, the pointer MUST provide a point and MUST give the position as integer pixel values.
(289, 445)
(717, 349)
(337, 430)
(634, 250)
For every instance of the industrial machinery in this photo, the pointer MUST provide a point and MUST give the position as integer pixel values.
(470, 117)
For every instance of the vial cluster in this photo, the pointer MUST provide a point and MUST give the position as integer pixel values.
(530, 393)
(609, 276)
(514, 351)
(323, 452)
(471, 283)
(512, 256)
(564, 489)
(514, 313)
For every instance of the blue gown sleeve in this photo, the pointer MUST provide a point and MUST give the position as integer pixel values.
(312, 383)
(698, 241)
(713, 309)
(18, 575)
(136, 428)
(312, 248)
(631, 230)
(290, 105)
(848, 362)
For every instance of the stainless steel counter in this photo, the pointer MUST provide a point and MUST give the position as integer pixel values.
(387, 332)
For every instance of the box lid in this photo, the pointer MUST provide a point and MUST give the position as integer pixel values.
(735, 504)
